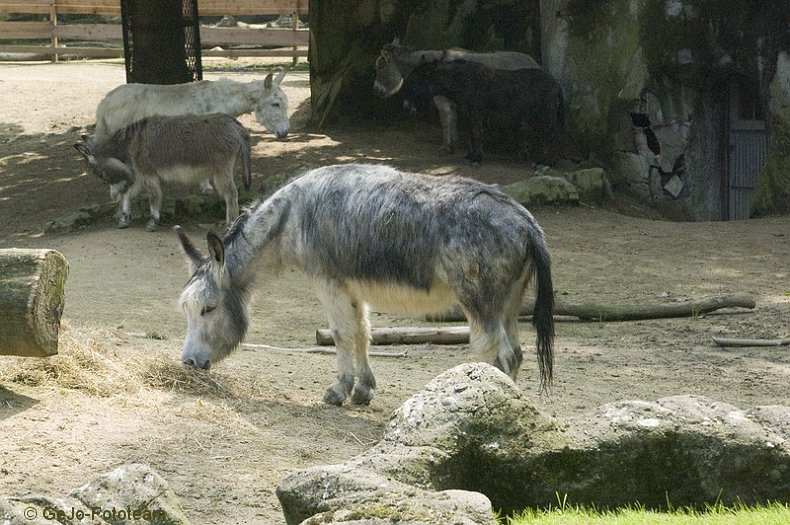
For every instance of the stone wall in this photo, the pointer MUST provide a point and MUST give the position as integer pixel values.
(647, 88)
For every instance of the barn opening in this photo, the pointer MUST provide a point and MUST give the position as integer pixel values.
(745, 146)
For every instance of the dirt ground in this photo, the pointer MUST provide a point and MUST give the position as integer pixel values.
(224, 447)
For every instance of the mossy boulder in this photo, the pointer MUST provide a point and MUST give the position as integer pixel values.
(472, 429)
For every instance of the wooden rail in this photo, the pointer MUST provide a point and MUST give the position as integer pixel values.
(254, 41)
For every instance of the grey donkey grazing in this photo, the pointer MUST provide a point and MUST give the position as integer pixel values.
(181, 148)
(371, 235)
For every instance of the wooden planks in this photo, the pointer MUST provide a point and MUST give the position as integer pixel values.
(249, 37)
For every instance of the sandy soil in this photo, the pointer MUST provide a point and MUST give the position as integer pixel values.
(223, 449)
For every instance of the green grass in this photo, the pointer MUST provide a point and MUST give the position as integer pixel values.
(770, 514)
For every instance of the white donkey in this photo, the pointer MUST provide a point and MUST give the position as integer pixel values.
(369, 234)
(132, 102)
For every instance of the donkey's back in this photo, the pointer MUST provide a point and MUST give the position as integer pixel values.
(417, 243)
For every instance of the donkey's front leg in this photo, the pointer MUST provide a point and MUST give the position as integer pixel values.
(125, 210)
(447, 117)
(154, 202)
(347, 321)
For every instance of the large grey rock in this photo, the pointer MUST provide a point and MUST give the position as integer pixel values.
(134, 487)
(590, 183)
(131, 494)
(543, 189)
(471, 428)
(345, 493)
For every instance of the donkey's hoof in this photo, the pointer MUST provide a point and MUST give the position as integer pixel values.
(447, 149)
(150, 226)
(124, 223)
(335, 395)
(362, 395)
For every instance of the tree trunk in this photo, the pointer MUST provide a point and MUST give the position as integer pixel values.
(32, 294)
(158, 54)
(589, 311)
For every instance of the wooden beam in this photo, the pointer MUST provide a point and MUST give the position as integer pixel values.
(452, 335)
(733, 341)
(212, 36)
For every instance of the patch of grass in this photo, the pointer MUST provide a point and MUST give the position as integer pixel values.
(769, 514)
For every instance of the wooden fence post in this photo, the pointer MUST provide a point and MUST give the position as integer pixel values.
(53, 22)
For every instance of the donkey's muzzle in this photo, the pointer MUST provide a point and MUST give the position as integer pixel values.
(195, 364)
(282, 134)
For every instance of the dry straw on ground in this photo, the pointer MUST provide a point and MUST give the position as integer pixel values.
(99, 362)
(84, 362)
(102, 363)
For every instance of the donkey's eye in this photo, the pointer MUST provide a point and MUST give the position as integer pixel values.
(276, 105)
(207, 310)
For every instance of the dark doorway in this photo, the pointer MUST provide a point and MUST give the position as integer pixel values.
(745, 150)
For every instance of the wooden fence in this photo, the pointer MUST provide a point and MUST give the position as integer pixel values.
(250, 40)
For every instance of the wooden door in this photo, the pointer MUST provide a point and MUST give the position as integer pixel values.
(747, 143)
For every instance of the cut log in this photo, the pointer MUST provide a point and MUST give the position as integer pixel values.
(452, 335)
(32, 297)
(589, 311)
(732, 341)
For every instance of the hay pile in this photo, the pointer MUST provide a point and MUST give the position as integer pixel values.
(105, 363)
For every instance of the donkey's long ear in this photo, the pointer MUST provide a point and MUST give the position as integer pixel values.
(280, 76)
(195, 257)
(86, 152)
(216, 249)
(267, 82)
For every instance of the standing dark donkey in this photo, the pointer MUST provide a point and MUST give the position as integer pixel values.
(181, 148)
(487, 97)
(371, 235)
(395, 63)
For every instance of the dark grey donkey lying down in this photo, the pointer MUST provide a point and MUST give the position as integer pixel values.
(188, 149)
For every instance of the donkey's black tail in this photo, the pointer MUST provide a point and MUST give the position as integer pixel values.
(543, 312)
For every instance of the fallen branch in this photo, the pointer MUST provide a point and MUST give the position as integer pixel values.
(452, 335)
(589, 311)
(319, 350)
(734, 341)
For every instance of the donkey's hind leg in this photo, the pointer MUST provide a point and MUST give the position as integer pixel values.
(492, 342)
(226, 187)
(348, 323)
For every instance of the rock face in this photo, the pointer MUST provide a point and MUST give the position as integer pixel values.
(655, 88)
(472, 432)
(131, 494)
